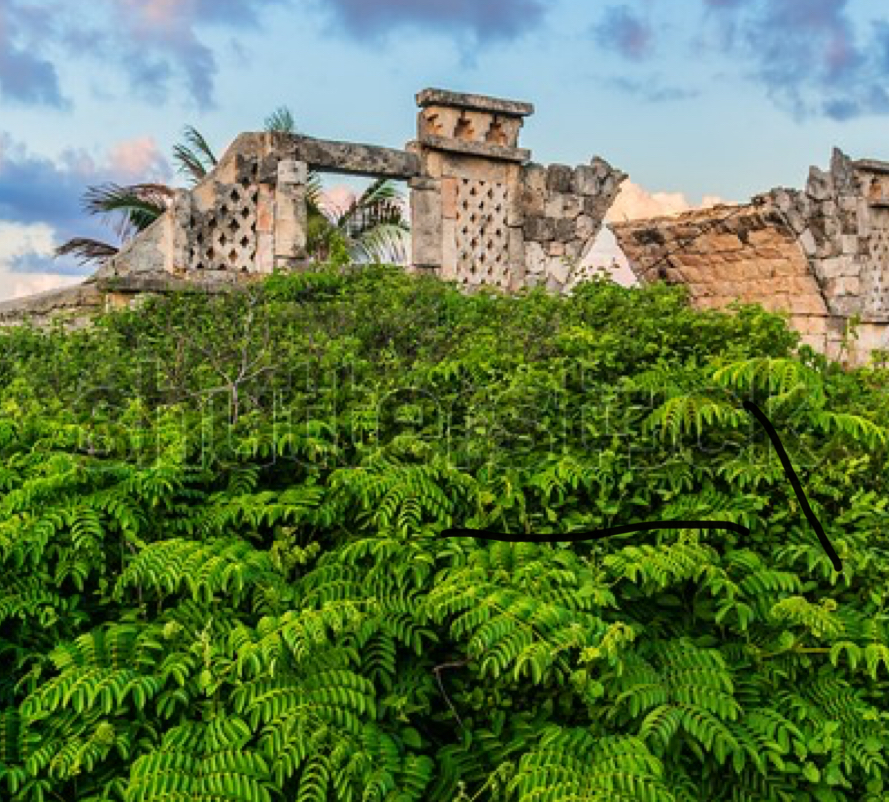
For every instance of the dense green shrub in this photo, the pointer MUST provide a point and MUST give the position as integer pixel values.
(222, 575)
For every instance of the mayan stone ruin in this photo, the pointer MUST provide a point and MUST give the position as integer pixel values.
(483, 214)
(821, 254)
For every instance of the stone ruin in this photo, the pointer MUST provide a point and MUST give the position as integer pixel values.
(821, 255)
(482, 213)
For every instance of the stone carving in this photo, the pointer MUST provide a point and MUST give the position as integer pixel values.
(482, 233)
(225, 233)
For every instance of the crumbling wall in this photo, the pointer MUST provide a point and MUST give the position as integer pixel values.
(483, 213)
(820, 254)
(561, 210)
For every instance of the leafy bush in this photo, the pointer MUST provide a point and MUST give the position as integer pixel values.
(222, 574)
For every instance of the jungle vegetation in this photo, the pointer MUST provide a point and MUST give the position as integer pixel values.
(222, 575)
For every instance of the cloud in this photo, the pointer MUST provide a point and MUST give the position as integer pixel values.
(140, 159)
(484, 19)
(652, 89)
(808, 54)
(24, 76)
(634, 202)
(625, 32)
(40, 198)
(24, 261)
(153, 42)
(36, 189)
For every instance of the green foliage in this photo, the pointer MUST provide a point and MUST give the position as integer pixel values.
(222, 576)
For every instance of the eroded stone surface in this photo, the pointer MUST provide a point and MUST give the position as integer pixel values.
(821, 254)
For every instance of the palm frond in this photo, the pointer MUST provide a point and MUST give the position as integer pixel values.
(129, 209)
(195, 157)
(379, 204)
(383, 243)
(86, 250)
(281, 121)
(313, 193)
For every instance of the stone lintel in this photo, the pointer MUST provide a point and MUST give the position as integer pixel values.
(871, 165)
(484, 149)
(458, 100)
(326, 155)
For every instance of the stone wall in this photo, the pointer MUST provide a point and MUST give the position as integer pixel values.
(483, 213)
(821, 255)
(561, 210)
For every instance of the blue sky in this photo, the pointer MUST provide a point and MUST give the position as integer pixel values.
(695, 99)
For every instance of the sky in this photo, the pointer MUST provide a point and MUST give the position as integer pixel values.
(699, 101)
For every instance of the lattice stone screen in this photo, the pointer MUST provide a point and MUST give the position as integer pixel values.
(483, 250)
(874, 287)
(226, 233)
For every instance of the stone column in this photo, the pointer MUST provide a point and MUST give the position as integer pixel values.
(426, 223)
(291, 216)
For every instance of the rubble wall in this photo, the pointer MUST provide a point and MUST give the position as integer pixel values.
(820, 254)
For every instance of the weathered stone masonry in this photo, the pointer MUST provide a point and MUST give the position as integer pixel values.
(482, 213)
(821, 254)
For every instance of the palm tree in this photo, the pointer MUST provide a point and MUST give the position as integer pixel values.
(372, 228)
(128, 209)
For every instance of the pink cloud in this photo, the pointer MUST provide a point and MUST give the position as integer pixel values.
(636, 203)
(138, 159)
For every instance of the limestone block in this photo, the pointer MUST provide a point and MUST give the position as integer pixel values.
(850, 244)
(353, 158)
(531, 202)
(291, 171)
(432, 163)
(534, 177)
(554, 204)
(586, 180)
(804, 285)
(559, 178)
(265, 210)
(842, 285)
(517, 255)
(718, 243)
(177, 257)
(265, 252)
(586, 227)
(554, 285)
(448, 249)
(815, 341)
(290, 221)
(456, 165)
(571, 206)
(574, 249)
(837, 266)
(515, 205)
(426, 227)
(437, 121)
(807, 242)
(449, 198)
(566, 229)
(556, 249)
(819, 186)
(560, 270)
(540, 229)
(535, 257)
